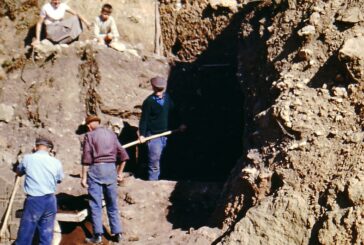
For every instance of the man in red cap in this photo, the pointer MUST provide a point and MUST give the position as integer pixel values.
(155, 119)
(103, 161)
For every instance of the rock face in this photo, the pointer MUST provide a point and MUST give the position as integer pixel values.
(191, 37)
(303, 113)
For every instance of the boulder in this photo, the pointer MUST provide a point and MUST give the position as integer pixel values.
(6, 113)
(355, 190)
(230, 4)
(307, 31)
(281, 220)
(352, 57)
(351, 15)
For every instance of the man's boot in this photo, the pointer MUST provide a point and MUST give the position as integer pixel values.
(96, 239)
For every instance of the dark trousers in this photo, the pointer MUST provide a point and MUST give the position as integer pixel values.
(39, 213)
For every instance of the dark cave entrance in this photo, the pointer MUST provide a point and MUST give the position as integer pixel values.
(210, 101)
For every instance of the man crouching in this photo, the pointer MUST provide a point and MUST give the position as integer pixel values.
(103, 161)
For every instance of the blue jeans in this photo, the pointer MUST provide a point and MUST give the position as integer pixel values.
(155, 150)
(39, 213)
(102, 180)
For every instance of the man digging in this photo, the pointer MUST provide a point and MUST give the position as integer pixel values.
(103, 161)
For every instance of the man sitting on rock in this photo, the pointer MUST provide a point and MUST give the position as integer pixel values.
(42, 173)
(105, 29)
(100, 174)
(58, 29)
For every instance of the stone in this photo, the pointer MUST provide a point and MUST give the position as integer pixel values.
(307, 31)
(355, 190)
(6, 113)
(340, 92)
(315, 18)
(350, 15)
(230, 4)
(3, 75)
(352, 56)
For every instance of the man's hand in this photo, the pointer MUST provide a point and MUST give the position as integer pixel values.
(84, 182)
(35, 42)
(109, 37)
(142, 139)
(120, 178)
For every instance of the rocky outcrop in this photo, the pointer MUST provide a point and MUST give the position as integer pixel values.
(195, 25)
(306, 114)
(276, 220)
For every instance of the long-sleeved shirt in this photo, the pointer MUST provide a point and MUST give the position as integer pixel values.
(155, 115)
(102, 28)
(102, 146)
(42, 173)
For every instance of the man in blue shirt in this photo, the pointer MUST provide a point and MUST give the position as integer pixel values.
(42, 173)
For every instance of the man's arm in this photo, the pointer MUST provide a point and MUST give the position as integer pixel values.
(114, 29)
(86, 160)
(122, 157)
(38, 30)
(20, 169)
(60, 174)
(71, 11)
(120, 170)
(143, 123)
(84, 176)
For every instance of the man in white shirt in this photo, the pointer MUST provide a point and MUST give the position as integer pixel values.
(58, 29)
(105, 29)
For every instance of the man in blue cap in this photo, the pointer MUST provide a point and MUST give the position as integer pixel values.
(156, 110)
(42, 173)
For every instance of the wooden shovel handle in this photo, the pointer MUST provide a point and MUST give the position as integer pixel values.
(148, 138)
(8, 210)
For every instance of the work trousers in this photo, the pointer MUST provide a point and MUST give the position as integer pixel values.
(38, 213)
(102, 181)
(155, 150)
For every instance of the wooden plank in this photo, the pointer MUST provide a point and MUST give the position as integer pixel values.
(72, 217)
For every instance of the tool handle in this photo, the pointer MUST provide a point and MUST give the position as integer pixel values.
(8, 210)
(149, 138)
